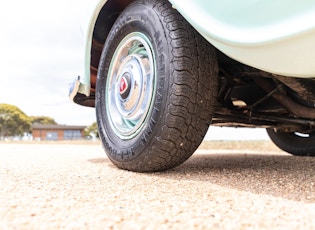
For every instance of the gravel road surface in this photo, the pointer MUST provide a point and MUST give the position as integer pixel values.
(74, 186)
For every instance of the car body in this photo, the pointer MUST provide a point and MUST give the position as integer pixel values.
(254, 41)
(250, 32)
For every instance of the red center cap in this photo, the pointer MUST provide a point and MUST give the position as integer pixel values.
(123, 85)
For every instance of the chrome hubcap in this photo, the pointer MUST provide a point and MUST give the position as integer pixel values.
(130, 85)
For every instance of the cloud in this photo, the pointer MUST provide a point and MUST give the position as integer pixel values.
(41, 53)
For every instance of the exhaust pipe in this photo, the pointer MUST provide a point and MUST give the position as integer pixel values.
(293, 107)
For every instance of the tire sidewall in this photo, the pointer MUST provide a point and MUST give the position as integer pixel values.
(134, 21)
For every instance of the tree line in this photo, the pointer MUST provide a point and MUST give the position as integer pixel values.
(14, 122)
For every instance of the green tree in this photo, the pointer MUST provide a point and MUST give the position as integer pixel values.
(44, 120)
(91, 130)
(13, 121)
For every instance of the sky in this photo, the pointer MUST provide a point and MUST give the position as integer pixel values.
(42, 51)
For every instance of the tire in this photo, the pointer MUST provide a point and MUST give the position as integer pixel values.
(156, 87)
(294, 143)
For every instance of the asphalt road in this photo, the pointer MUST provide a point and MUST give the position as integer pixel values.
(74, 186)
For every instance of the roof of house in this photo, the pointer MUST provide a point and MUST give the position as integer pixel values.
(57, 127)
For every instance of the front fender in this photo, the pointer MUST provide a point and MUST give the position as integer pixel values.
(275, 36)
(98, 18)
(91, 12)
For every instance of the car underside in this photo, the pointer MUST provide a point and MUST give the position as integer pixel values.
(249, 97)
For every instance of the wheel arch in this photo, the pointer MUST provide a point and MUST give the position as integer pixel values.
(99, 19)
(106, 17)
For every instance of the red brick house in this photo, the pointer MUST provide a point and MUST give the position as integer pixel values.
(57, 132)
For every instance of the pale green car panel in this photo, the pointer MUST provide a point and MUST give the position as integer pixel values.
(91, 12)
(265, 34)
(275, 36)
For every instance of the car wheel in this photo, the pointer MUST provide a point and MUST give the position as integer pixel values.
(294, 143)
(156, 87)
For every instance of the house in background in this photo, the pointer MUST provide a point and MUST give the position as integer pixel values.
(57, 132)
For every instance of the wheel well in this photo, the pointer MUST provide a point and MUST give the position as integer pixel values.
(104, 23)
